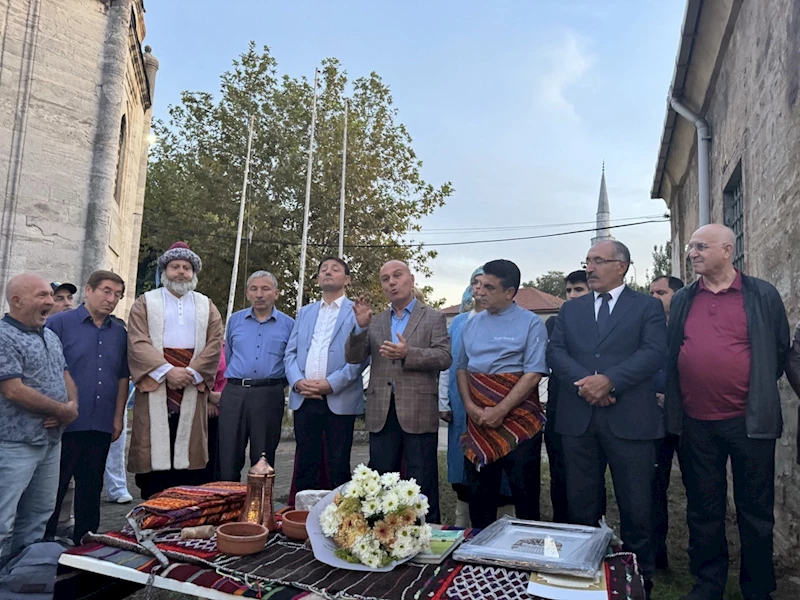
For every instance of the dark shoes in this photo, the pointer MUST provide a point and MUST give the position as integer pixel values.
(700, 592)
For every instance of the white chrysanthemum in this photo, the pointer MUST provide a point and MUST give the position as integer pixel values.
(372, 487)
(330, 520)
(421, 506)
(424, 533)
(391, 502)
(402, 548)
(389, 480)
(362, 472)
(407, 491)
(371, 506)
(354, 489)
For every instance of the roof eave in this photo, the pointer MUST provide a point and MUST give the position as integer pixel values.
(691, 21)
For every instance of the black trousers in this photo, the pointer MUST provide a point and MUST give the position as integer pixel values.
(391, 445)
(632, 464)
(83, 456)
(314, 421)
(666, 450)
(558, 475)
(705, 447)
(522, 466)
(152, 483)
(251, 414)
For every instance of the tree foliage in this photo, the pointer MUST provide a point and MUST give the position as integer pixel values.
(197, 167)
(551, 282)
(662, 260)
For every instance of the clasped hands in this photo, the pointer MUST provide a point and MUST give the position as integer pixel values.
(67, 413)
(490, 416)
(179, 378)
(596, 390)
(313, 388)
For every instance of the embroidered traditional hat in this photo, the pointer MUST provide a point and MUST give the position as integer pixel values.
(180, 251)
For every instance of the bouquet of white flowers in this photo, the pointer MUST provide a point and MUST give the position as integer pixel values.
(377, 519)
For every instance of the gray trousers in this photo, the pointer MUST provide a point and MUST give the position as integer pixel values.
(251, 414)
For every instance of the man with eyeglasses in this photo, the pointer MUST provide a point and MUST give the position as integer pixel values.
(96, 350)
(605, 349)
(728, 343)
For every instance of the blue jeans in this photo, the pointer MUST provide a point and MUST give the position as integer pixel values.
(29, 476)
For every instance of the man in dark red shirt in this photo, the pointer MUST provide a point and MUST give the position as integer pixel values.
(728, 341)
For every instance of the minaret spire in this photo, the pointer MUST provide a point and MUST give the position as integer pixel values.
(602, 229)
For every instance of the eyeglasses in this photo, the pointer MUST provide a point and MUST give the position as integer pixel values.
(597, 261)
(699, 246)
(109, 292)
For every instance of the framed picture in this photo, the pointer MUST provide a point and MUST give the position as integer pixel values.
(538, 546)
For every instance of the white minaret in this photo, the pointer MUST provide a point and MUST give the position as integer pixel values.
(602, 230)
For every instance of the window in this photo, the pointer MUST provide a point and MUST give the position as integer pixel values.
(733, 214)
(121, 152)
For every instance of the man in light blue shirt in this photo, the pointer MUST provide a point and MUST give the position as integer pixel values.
(251, 406)
(500, 364)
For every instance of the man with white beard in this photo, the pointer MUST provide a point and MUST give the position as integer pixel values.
(174, 345)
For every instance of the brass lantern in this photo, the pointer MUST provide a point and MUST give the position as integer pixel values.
(258, 502)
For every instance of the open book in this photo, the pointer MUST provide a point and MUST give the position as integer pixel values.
(443, 542)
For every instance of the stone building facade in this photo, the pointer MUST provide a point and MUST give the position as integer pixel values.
(76, 90)
(738, 67)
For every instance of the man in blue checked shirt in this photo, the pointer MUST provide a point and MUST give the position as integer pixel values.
(251, 406)
(96, 350)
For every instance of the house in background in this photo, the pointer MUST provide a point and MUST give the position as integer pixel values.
(730, 153)
(543, 304)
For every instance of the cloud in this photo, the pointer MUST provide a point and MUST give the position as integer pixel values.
(560, 67)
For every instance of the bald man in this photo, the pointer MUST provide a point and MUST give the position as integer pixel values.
(408, 345)
(37, 400)
(728, 342)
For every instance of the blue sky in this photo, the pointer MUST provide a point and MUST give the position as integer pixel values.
(516, 102)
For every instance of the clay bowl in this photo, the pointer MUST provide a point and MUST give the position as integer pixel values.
(294, 524)
(240, 539)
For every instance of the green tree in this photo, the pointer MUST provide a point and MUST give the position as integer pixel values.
(197, 167)
(662, 261)
(551, 282)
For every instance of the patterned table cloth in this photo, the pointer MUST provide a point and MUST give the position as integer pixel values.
(286, 570)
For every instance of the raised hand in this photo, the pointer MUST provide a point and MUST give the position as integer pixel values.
(363, 311)
(396, 351)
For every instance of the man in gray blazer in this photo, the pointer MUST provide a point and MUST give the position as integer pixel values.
(409, 346)
(326, 391)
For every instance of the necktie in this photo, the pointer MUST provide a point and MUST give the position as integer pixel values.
(603, 314)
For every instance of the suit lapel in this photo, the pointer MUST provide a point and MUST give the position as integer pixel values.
(344, 311)
(414, 319)
(386, 325)
(588, 320)
(623, 304)
(311, 323)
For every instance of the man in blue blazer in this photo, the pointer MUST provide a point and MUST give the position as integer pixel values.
(605, 349)
(326, 392)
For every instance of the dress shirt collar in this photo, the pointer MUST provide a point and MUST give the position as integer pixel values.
(251, 314)
(736, 285)
(337, 302)
(615, 293)
(84, 315)
(408, 309)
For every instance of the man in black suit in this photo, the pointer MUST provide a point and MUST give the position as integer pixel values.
(604, 350)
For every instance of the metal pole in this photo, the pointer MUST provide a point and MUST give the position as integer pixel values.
(344, 174)
(308, 196)
(235, 272)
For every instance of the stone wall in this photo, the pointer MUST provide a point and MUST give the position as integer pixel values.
(58, 104)
(754, 114)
